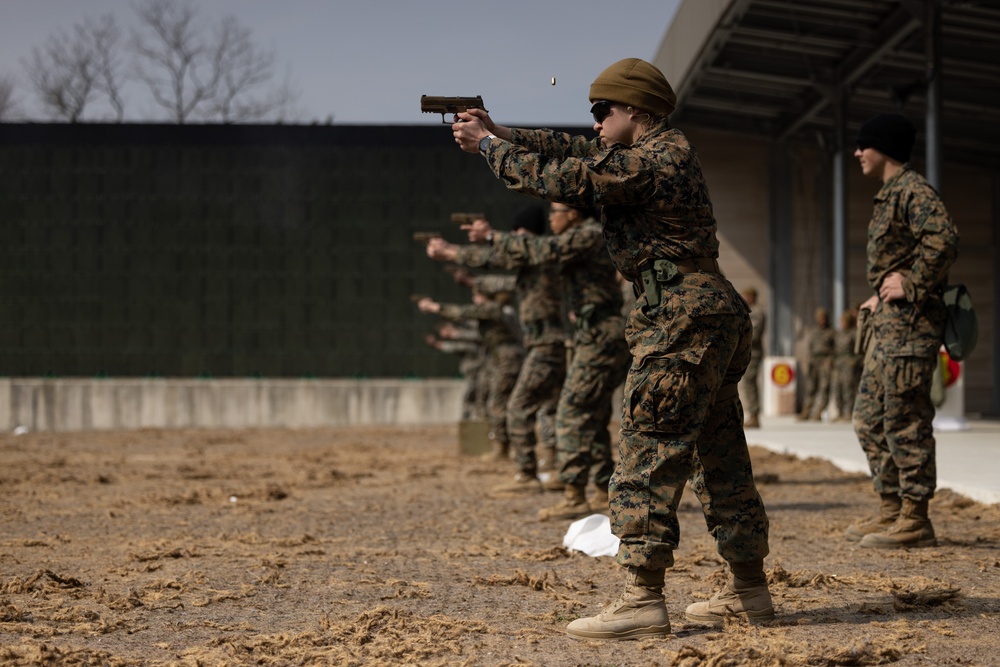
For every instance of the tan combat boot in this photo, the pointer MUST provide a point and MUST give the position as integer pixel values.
(499, 452)
(638, 612)
(599, 501)
(912, 529)
(553, 483)
(573, 506)
(547, 459)
(752, 422)
(746, 596)
(522, 483)
(888, 511)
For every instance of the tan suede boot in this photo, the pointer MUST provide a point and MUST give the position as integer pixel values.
(638, 612)
(499, 452)
(752, 422)
(553, 483)
(547, 459)
(573, 506)
(888, 511)
(746, 596)
(522, 483)
(599, 501)
(912, 529)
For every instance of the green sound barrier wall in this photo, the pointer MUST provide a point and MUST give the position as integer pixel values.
(228, 251)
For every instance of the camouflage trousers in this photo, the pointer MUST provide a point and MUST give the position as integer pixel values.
(749, 385)
(533, 401)
(846, 377)
(503, 366)
(473, 396)
(817, 386)
(893, 414)
(597, 367)
(682, 422)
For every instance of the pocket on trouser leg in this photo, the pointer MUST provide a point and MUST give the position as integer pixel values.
(662, 396)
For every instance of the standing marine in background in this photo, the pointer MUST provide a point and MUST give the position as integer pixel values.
(819, 367)
(846, 366)
(912, 244)
(750, 385)
(599, 353)
(503, 354)
(539, 291)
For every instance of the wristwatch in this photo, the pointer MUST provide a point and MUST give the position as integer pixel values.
(484, 143)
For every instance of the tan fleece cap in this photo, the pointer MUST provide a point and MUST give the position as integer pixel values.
(637, 83)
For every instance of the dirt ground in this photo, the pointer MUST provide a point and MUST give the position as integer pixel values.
(374, 546)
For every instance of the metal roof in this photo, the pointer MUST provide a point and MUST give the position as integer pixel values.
(773, 68)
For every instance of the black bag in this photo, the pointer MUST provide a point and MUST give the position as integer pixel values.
(961, 328)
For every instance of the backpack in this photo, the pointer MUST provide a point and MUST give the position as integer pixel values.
(961, 328)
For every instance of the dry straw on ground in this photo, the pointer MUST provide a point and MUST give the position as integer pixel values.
(379, 547)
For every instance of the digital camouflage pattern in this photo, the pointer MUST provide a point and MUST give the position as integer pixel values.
(846, 372)
(654, 199)
(535, 395)
(910, 232)
(469, 365)
(599, 355)
(750, 385)
(503, 356)
(819, 371)
(538, 290)
(655, 205)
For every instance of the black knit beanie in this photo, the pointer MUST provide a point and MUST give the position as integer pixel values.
(890, 134)
(532, 218)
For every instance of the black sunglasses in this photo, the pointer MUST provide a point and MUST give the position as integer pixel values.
(601, 110)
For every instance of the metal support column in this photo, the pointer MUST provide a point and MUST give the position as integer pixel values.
(839, 204)
(995, 405)
(781, 333)
(932, 48)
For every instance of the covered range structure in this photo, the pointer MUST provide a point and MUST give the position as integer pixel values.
(802, 76)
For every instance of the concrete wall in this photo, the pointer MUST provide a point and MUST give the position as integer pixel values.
(128, 403)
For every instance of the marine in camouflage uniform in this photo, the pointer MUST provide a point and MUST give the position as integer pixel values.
(750, 385)
(503, 354)
(820, 367)
(599, 358)
(539, 291)
(846, 366)
(463, 339)
(912, 244)
(689, 335)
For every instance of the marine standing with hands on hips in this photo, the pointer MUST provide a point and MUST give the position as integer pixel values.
(912, 244)
(689, 335)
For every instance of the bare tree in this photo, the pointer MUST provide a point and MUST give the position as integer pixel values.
(72, 69)
(173, 58)
(8, 103)
(194, 73)
(244, 69)
(106, 39)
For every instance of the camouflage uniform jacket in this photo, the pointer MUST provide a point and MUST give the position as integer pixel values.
(655, 200)
(493, 327)
(582, 259)
(910, 232)
(822, 343)
(538, 290)
(843, 345)
(758, 320)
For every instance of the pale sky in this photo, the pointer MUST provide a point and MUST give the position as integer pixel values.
(368, 61)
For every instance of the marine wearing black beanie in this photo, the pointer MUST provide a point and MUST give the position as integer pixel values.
(890, 134)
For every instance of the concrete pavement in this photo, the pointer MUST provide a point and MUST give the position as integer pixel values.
(968, 460)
